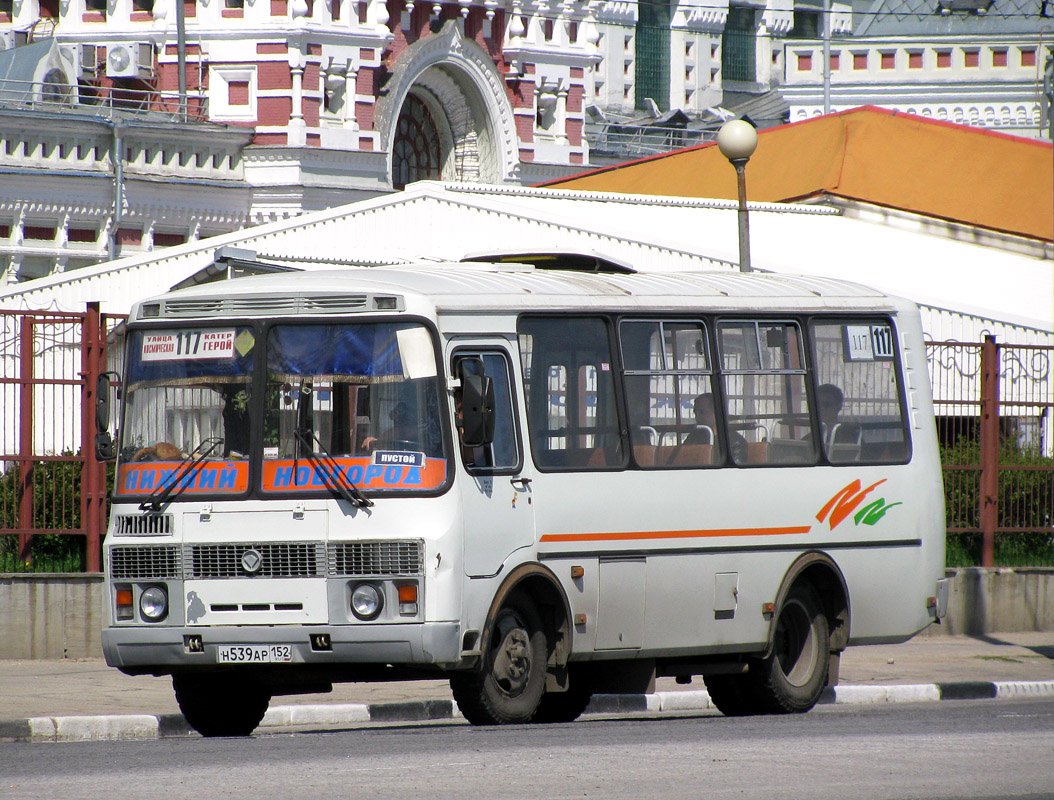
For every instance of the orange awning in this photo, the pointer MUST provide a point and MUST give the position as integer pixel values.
(872, 155)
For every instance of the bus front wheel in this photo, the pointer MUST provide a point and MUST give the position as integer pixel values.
(510, 686)
(563, 706)
(220, 705)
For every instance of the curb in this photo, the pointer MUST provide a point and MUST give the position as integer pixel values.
(147, 726)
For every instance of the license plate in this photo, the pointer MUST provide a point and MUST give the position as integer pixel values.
(254, 653)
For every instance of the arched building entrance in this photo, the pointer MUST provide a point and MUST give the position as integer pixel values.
(417, 147)
(446, 115)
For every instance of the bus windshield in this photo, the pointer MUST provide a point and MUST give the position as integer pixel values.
(358, 388)
(343, 406)
(185, 389)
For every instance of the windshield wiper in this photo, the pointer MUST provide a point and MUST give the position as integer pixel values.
(350, 492)
(164, 490)
(304, 434)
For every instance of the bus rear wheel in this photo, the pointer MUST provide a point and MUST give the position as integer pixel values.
(221, 705)
(791, 679)
(509, 688)
(793, 676)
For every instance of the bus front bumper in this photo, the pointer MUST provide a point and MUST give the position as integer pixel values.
(164, 649)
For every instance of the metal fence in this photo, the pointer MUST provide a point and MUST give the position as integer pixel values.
(50, 481)
(101, 101)
(993, 404)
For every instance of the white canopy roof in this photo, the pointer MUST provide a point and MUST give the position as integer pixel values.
(967, 289)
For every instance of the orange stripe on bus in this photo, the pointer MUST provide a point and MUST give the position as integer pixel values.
(614, 537)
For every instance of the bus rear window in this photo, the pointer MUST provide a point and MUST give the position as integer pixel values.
(858, 393)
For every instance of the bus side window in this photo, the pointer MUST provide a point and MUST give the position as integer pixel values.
(569, 381)
(669, 394)
(858, 393)
(763, 366)
(503, 453)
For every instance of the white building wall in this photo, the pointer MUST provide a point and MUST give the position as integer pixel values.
(993, 83)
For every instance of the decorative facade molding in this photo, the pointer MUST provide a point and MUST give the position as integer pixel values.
(472, 70)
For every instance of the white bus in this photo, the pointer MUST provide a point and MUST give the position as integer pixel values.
(541, 484)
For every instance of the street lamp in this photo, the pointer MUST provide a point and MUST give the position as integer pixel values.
(737, 140)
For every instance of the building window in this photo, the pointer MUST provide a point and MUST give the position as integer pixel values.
(944, 59)
(834, 62)
(738, 45)
(238, 102)
(652, 55)
(133, 237)
(808, 24)
(416, 149)
(804, 62)
(166, 239)
(82, 235)
(1028, 57)
(971, 58)
(41, 233)
(859, 60)
(889, 60)
(238, 93)
(915, 60)
(999, 58)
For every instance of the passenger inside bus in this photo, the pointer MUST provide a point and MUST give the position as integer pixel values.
(840, 439)
(402, 434)
(706, 424)
(830, 399)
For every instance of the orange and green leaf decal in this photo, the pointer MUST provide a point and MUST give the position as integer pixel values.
(846, 501)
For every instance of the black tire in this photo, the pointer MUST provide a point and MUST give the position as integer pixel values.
(734, 695)
(791, 679)
(220, 705)
(511, 683)
(563, 706)
(793, 676)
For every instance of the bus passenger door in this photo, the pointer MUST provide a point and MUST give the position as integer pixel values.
(495, 479)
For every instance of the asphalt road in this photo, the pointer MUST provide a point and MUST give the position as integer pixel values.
(977, 749)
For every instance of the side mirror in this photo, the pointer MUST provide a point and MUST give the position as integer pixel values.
(104, 450)
(102, 402)
(477, 410)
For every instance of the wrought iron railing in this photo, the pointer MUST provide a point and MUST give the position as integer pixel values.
(106, 101)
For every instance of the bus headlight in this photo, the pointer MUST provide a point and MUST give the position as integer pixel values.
(366, 601)
(153, 604)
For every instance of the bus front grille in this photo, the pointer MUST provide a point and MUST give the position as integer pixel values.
(142, 524)
(376, 558)
(274, 560)
(270, 560)
(146, 563)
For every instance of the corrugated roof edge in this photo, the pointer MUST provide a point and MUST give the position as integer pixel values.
(634, 199)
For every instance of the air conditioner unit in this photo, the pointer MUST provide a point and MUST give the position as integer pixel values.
(130, 60)
(12, 39)
(88, 59)
(83, 60)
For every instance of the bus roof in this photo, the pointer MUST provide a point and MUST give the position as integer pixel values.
(482, 287)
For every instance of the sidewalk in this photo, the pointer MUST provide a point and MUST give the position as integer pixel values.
(929, 667)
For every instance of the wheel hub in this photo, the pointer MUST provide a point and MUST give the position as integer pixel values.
(512, 662)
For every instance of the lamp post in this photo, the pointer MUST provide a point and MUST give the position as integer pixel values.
(737, 140)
